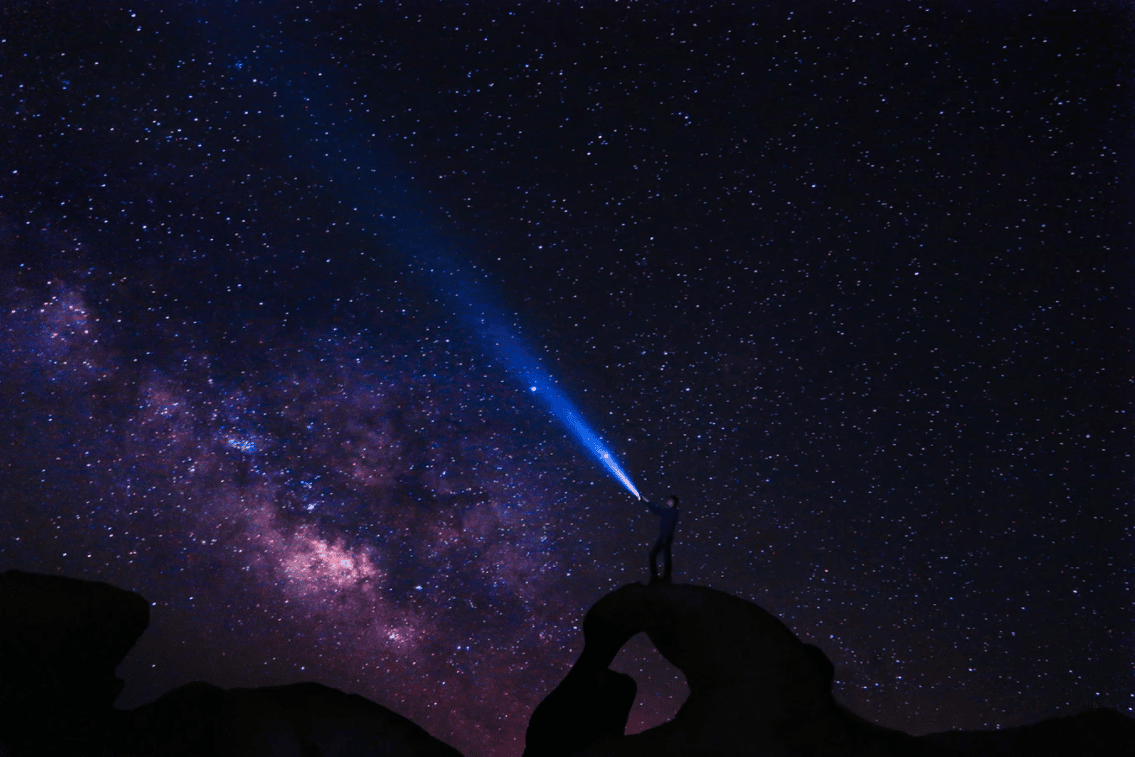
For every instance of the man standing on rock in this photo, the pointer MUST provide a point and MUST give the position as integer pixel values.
(669, 516)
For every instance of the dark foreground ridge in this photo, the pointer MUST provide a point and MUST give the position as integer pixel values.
(62, 638)
(755, 689)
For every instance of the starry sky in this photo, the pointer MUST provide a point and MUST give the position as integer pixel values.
(853, 279)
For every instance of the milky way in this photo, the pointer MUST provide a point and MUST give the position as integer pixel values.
(343, 507)
(849, 280)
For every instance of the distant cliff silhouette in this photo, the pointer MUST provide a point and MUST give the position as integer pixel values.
(302, 719)
(755, 689)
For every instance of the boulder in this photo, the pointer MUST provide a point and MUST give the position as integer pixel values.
(60, 642)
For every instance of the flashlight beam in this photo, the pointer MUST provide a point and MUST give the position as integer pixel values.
(367, 175)
(522, 363)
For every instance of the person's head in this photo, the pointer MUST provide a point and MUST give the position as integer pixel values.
(672, 500)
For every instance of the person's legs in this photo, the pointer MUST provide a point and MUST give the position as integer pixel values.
(658, 545)
(669, 562)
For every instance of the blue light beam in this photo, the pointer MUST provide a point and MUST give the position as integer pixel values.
(332, 144)
(472, 302)
(522, 363)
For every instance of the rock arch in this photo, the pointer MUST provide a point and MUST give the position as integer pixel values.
(755, 688)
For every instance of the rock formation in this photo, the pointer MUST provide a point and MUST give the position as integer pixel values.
(590, 703)
(755, 689)
(60, 642)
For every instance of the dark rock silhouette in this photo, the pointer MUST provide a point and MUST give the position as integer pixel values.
(755, 689)
(588, 705)
(1100, 731)
(302, 719)
(60, 642)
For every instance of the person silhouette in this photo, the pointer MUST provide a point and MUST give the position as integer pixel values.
(669, 520)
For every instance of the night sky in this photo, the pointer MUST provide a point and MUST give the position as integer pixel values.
(852, 279)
